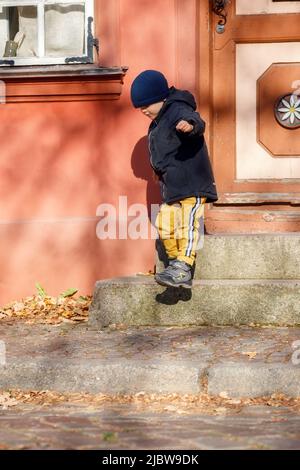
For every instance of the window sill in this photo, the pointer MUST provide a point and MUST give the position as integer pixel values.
(62, 83)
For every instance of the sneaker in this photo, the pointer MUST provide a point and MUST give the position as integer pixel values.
(177, 274)
(171, 261)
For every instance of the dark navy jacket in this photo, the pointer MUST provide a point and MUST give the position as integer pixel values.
(179, 159)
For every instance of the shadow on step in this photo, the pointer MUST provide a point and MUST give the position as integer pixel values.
(172, 295)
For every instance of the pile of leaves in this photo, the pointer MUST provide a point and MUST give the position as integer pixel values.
(43, 308)
(161, 403)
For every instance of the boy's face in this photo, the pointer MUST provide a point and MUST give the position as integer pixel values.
(152, 110)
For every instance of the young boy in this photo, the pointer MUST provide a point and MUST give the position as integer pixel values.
(179, 157)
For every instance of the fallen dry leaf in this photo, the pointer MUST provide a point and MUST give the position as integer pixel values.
(149, 273)
(221, 410)
(250, 354)
(172, 403)
(6, 401)
(170, 408)
(48, 310)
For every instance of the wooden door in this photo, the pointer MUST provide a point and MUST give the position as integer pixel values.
(250, 93)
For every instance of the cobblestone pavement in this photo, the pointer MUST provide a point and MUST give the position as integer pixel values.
(126, 426)
(73, 426)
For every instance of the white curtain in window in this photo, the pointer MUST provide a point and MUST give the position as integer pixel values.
(28, 27)
(3, 29)
(64, 30)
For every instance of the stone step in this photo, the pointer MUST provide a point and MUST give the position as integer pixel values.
(233, 362)
(262, 256)
(139, 301)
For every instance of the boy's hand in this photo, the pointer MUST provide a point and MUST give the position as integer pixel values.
(184, 126)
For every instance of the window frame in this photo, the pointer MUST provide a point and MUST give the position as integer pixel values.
(90, 42)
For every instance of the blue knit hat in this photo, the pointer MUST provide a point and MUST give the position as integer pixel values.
(149, 87)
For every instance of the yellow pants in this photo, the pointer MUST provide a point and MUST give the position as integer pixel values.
(178, 227)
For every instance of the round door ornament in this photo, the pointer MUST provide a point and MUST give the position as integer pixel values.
(287, 111)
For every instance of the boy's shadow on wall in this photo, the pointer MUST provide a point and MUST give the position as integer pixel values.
(142, 169)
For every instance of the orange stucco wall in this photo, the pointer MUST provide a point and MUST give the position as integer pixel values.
(59, 161)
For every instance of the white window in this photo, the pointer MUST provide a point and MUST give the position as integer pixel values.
(36, 32)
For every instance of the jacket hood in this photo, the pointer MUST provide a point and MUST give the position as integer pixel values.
(181, 95)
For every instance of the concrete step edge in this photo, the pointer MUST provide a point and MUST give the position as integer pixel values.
(140, 302)
(236, 380)
(149, 280)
